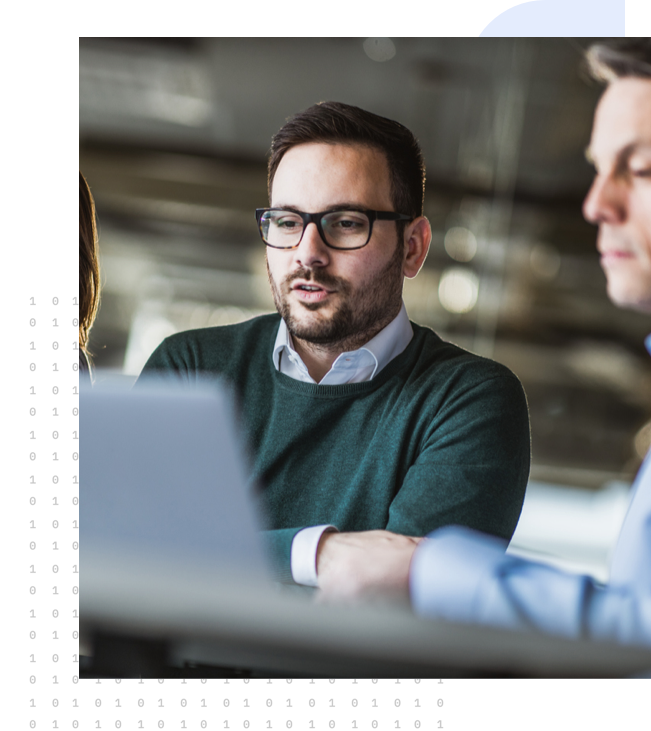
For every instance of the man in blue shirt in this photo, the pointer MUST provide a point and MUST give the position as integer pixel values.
(461, 575)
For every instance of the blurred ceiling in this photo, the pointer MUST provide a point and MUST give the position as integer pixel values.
(173, 141)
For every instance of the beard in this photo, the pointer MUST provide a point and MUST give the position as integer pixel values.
(361, 314)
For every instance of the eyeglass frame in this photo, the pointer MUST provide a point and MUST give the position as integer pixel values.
(315, 218)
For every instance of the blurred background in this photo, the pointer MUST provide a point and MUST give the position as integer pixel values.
(174, 134)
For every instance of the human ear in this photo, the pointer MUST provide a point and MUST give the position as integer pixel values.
(418, 236)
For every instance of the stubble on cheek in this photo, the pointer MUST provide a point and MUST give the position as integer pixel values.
(359, 315)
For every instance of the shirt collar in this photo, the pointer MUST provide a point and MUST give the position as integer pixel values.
(390, 341)
(386, 345)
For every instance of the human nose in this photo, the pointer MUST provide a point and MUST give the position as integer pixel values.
(312, 251)
(606, 200)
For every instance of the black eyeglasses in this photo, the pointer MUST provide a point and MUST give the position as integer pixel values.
(345, 229)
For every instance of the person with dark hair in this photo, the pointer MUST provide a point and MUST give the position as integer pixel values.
(88, 274)
(359, 420)
(461, 575)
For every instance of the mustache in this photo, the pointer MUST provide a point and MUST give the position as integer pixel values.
(318, 277)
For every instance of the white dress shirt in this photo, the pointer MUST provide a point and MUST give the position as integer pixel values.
(355, 366)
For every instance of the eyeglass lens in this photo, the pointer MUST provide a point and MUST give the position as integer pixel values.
(342, 229)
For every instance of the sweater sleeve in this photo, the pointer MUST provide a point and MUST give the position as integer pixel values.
(278, 543)
(473, 465)
(168, 362)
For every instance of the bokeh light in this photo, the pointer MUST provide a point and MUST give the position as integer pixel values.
(458, 290)
(460, 243)
(379, 49)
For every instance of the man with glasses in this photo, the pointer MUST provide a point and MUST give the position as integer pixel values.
(359, 420)
(462, 575)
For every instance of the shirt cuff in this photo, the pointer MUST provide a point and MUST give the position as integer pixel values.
(447, 570)
(304, 548)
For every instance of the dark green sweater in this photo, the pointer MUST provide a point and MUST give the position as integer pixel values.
(440, 436)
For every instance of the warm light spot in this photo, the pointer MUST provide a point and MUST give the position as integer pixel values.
(460, 243)
(458, 290)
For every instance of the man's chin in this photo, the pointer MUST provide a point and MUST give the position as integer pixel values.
(630, 295)
(317, 333)
(320, 328)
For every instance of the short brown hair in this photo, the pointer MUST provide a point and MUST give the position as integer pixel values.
(338, 123)
(88, 263)
(620, 58)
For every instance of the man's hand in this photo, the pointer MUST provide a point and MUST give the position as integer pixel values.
(352, 566)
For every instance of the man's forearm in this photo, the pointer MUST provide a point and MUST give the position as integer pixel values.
(355, 565)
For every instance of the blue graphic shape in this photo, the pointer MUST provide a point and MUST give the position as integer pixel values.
(560, 18)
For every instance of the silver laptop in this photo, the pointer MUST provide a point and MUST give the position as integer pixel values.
(163, 477)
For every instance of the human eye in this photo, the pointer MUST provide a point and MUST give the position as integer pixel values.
(345, 221)
(639, 165)
(286, 221)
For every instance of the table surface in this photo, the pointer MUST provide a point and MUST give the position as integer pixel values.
(212, 617)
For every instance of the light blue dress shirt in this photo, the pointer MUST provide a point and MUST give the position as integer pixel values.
(464, 576)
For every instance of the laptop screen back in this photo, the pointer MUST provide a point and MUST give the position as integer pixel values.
(163, 475)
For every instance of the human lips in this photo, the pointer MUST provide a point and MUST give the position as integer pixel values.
(309, 291)
(610, 257)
